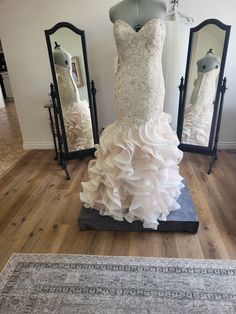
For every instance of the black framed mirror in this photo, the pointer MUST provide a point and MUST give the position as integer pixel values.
(202, 90)
(73, 101)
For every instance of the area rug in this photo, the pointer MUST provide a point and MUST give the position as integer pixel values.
(41, 283)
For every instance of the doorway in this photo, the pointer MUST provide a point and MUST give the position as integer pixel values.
(11, 143)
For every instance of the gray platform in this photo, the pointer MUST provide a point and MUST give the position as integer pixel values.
(182, 220)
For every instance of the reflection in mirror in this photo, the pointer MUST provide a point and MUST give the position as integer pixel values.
(205, 62)
(70, 72)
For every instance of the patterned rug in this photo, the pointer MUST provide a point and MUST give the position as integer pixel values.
(41, 283)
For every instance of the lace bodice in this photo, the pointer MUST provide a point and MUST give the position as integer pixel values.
(204, 91)
(198, 114)
(139, 83)
(76, 113)
(68, 90)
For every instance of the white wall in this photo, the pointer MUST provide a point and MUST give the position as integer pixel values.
(174, 64)
(22, 25)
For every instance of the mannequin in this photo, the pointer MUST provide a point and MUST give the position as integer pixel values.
(209, 62)
(138, 12)
(198, 114)
(76, 113)
(63, 67)
(61, 57)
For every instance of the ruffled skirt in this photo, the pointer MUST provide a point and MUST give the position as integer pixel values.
(197, 126)
(78, 126)
(135, 175)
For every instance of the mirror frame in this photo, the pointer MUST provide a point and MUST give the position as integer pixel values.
(206, 150)
(69, 155)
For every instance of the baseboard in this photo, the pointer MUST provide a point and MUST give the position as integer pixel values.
(227, 145)
(49, 145)
(38, 145)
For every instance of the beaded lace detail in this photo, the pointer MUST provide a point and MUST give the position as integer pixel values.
(139, 66)
(198, 114)
(76, 113)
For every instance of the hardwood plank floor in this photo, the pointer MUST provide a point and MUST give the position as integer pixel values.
(39, 211)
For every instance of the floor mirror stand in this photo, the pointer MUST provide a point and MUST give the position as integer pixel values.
(56, 132)
(213, 153)
(58, 140)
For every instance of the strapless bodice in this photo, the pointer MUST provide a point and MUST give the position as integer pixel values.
(205, 85)
(148, 42)
(139, 83)
(69, 94)
(198, 114)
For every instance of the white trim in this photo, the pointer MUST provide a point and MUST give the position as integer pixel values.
(38, 145)
(227, 145)
(49, 145)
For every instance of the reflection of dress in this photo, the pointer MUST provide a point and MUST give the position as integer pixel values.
(76, 113)
(136, 174)
(198, 115)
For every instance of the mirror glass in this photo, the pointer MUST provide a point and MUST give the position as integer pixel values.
(202, 82)
(69, 65)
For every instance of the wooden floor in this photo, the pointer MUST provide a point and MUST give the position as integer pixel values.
(39, 210)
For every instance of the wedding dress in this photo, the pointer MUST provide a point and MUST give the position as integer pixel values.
(136, 173)
(198, 115)
(76, 112)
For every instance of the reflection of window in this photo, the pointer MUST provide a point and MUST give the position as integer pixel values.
(76, 72)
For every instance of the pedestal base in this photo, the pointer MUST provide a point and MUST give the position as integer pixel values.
(182, 220)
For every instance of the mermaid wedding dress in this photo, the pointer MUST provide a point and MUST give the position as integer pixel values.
(76, 112)
(136, 173)
(198, 115)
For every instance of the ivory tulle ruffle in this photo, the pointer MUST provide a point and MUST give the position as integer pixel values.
(197, 126)
(78, 125)
(136, 173)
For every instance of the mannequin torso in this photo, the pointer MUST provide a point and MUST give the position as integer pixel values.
(69, 93)
(61, 57)
(138, 12)
(208, 63)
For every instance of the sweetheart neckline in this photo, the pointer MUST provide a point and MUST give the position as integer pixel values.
(131, 27)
